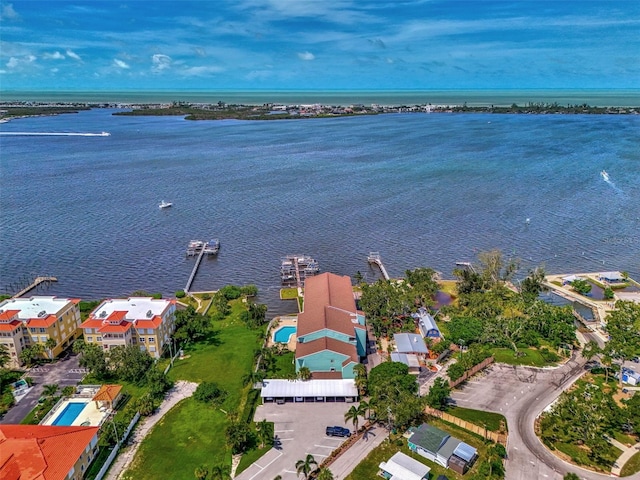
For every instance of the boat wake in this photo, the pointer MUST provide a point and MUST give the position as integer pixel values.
(56, 134)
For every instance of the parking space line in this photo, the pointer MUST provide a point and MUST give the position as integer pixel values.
(262, 468)
(318, 454)
(323, 446)
(278, 431)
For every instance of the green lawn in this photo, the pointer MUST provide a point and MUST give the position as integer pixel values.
(193, 432)
(190, 435)
(493, 421)
(532, 357)
(624, 438)
(581, 457)
(284, 365)
(288, 293)
(632, 466)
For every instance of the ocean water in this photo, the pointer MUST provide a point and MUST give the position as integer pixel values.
(622, 97)
(422, 189)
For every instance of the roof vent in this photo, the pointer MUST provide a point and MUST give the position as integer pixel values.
(149, 314)
(103, 314)
(42, 313)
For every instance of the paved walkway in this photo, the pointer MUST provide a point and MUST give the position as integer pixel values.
(180, 391)
(350, 459)
(627, 453)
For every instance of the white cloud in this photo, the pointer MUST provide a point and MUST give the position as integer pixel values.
(54, 70)
(20, 62)
(202, 71)
(13, 62)
(306, 56)
(53, 56)
(74, 55)
(8, 12)
(160, 62)
(120, 64)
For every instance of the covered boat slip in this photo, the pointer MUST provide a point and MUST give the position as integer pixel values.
(334, 390)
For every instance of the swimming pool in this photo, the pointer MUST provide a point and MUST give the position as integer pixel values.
(69, 414)
(283, 334)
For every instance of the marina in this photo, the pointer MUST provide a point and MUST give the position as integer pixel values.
(294, 269)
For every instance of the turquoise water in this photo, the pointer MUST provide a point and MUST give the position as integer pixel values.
(69, 414)
(423, 190)
(283, 334)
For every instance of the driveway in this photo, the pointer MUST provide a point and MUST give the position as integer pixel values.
(299, 430)
(63, 372)
(521, 394)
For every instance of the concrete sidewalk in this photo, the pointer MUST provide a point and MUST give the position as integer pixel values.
(350, 459)
(627, 453)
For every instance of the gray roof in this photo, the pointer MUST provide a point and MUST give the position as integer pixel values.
(409, 343)
(465, 452)
(403, 466)
(309, 388)
(449, 447)
(429, 437)
(409, 359)
(426, 322)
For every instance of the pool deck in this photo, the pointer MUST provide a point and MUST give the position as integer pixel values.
(89, 414)
(284, 321)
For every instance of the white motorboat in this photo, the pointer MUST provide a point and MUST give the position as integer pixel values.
(164, 204)
(605, 175)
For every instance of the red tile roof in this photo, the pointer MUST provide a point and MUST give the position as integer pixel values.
(91, 323)
(10, 326)
(39, 452)
(107, 393)
(155, 322)
(42, 322)
(117, 315)
(8, 314)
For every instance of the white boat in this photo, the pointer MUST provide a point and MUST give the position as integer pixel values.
(605, 175)
(164, 204)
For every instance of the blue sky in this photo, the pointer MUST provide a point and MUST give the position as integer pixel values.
(318, 44)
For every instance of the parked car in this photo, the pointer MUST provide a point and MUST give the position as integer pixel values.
(337, 432)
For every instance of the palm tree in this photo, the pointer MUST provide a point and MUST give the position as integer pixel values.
(305, 466)
(264, 432)
(353, 414)
(364, 408)
(50, 390)
(201, 472)
(254, 377)
(221, 472)
(361, 378)
(304, 373)
(50, 344)
(324, 474)
(4, 355)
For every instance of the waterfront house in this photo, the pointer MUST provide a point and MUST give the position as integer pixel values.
(25, 322)
(331, 336)
(426, 324)
(142, 321)
(440, 447)
(410, 343)
(46, 452)
(403, 467)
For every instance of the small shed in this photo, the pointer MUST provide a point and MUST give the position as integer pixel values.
(403, 467)
(427, 441)
(569, 279)
(410, 343)
(466, 452)
(458, 465)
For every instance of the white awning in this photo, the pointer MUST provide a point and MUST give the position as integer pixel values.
(310, 388)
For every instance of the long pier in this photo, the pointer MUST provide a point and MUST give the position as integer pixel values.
(194, 271)
(374, 257)
(36, 282)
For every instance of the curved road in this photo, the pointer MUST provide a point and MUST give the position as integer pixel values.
(521, 394)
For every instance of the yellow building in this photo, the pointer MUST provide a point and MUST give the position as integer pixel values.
(142, 321)
(49, 321)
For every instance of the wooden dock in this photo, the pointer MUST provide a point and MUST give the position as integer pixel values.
(34, 284)
(374, 257)
(194, 271)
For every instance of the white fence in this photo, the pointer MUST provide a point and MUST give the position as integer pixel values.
(114, 452)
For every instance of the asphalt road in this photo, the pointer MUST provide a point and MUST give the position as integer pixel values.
(62, 372)
(521, 394)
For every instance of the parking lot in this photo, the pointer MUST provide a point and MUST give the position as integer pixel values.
(299, 431)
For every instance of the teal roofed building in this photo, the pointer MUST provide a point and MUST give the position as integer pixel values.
(331, 333)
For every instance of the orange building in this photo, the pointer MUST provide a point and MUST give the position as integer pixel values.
(37, 452)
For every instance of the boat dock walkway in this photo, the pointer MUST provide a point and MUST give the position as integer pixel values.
(194, 271)
(295, 269)
(34, 284)
(374, 257)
